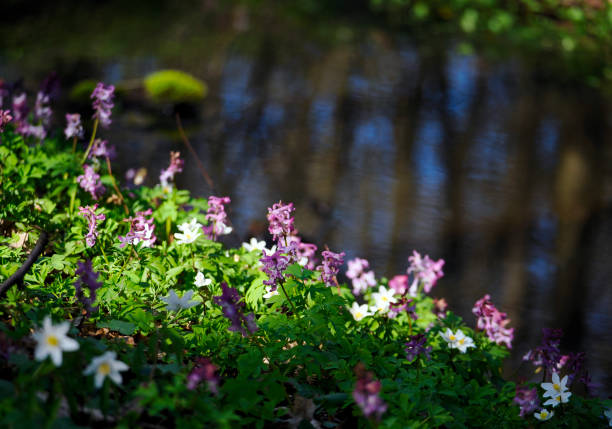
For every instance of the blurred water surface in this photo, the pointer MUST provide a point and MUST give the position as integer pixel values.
(385, 143)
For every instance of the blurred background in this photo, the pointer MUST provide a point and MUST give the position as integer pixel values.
(477, 132)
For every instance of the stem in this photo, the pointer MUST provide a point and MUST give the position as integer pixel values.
(110, 171)
(93, 136)
(74, 140)
(125, 264)
(282, 284)
(103, 254)
(192, 257)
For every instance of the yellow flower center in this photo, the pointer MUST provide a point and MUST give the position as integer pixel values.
(358, 315)
(451, 337)
(559, 398)
(104, 368)
(543, 414)
(52, 341)
(461, 341)
(556, 386)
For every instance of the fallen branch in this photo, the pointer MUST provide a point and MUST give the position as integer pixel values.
(17, 277)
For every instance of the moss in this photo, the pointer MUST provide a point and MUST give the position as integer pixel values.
(82, 90)
(174, 86)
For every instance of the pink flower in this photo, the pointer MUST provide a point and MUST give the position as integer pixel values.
(5, 118)
(141, 230)
(176, 166)
(100, 148)
(426, 272)
(103, 103)
(493, 322)
(366, 394)
(74, 128)
(90, 181)
(361, 278)
(304, 252)
(89, 213)
(399, 284)
(330, 267)
(218, 223)
(280, 220)
(42, 111)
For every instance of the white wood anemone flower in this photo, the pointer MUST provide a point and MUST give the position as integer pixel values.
(359, 311)
(201, 281)
(457, 340)
(556, 388)
(383, 299)
(561, 398)
(543, 415)
(190, 231)
(51, 340)
(174, 303)
(106, 366)
(253, 244)
(269, 292)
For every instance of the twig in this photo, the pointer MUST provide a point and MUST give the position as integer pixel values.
(17, 277)
(193, 152)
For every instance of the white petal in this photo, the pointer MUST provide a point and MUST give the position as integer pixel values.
(56, 355)
(69, 344)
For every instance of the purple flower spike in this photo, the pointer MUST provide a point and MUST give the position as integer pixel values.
(141, 230)
(87, 279)
(232, 307)
(74, 128)
(218, 223)
(5, 118)
(366, 394)
(304, 252)
(274, 265)
(20, 108)
(204, 370)
(493, 322)
(101, 149)
(548, 355)
(176, 166)
(103, 103)
(90, 181)
(416, 346)
(89, 213)
(330, 267)
(402, 305)
(527, 399)
(281, 222)
(42, 110)
(426, 272)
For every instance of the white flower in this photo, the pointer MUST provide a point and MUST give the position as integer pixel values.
(543, 415)
(383, 299)
(201, 281)
(52, 340)
(226, 230)
(457, 340)
(254, 245)
(555, 388)
(269, 292)
(608, 414)
(176, 304)
(561, 398)
(359, 311)
(106, 365)
(303, 261)
(190, 232)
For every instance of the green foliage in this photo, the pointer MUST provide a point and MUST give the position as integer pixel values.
(306, 357)
(174, 86)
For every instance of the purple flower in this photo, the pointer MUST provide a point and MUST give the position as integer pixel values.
(274, 265)
(87, 279)
(366, 394)
(548, 354)
(399, 284)
(90, 181)
(304, 252)
(493, 322)
(361, 278)
(5, 118)
(176, 166)
(402, 305)
(425, 271)
(103, 103)
(416, 346)
(101, 149)
(330, 267)
(204, 370)
(141, 230)
(89, 213)
(280, 220)
(218, 223)
(74, 128)
(42, 110)
(439, 308)
(20, 108)
(232, 306)
(527, 399)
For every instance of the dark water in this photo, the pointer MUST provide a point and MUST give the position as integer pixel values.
(385, 143)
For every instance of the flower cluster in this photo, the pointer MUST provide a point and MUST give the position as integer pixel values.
(457, 340)
(42, 110)
(103, 103)
(218, 224)
(416, 346)
(330, 267)
(90, 182)
(101, 149)
(141, 230)
(280, 220)
(190, 231)
(88, 278)
(89, 213)
(426, 272)
(51, 340)
(361, 278)
(174, 303)
(74, 128)
(274, 265)
(204, 370)
(232, 306)
(167, 175)
(548, 355)
(557, 391)
(366, 394)
(493, 322)
(527, 399)
(399, 284)
(304, 252)
(20, 109)
(5, 118)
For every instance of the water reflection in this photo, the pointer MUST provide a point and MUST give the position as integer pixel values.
(387, 145)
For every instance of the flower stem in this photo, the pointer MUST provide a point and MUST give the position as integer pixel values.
(93, 136)
(282, 285)
(74, 140)
(110, 172)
